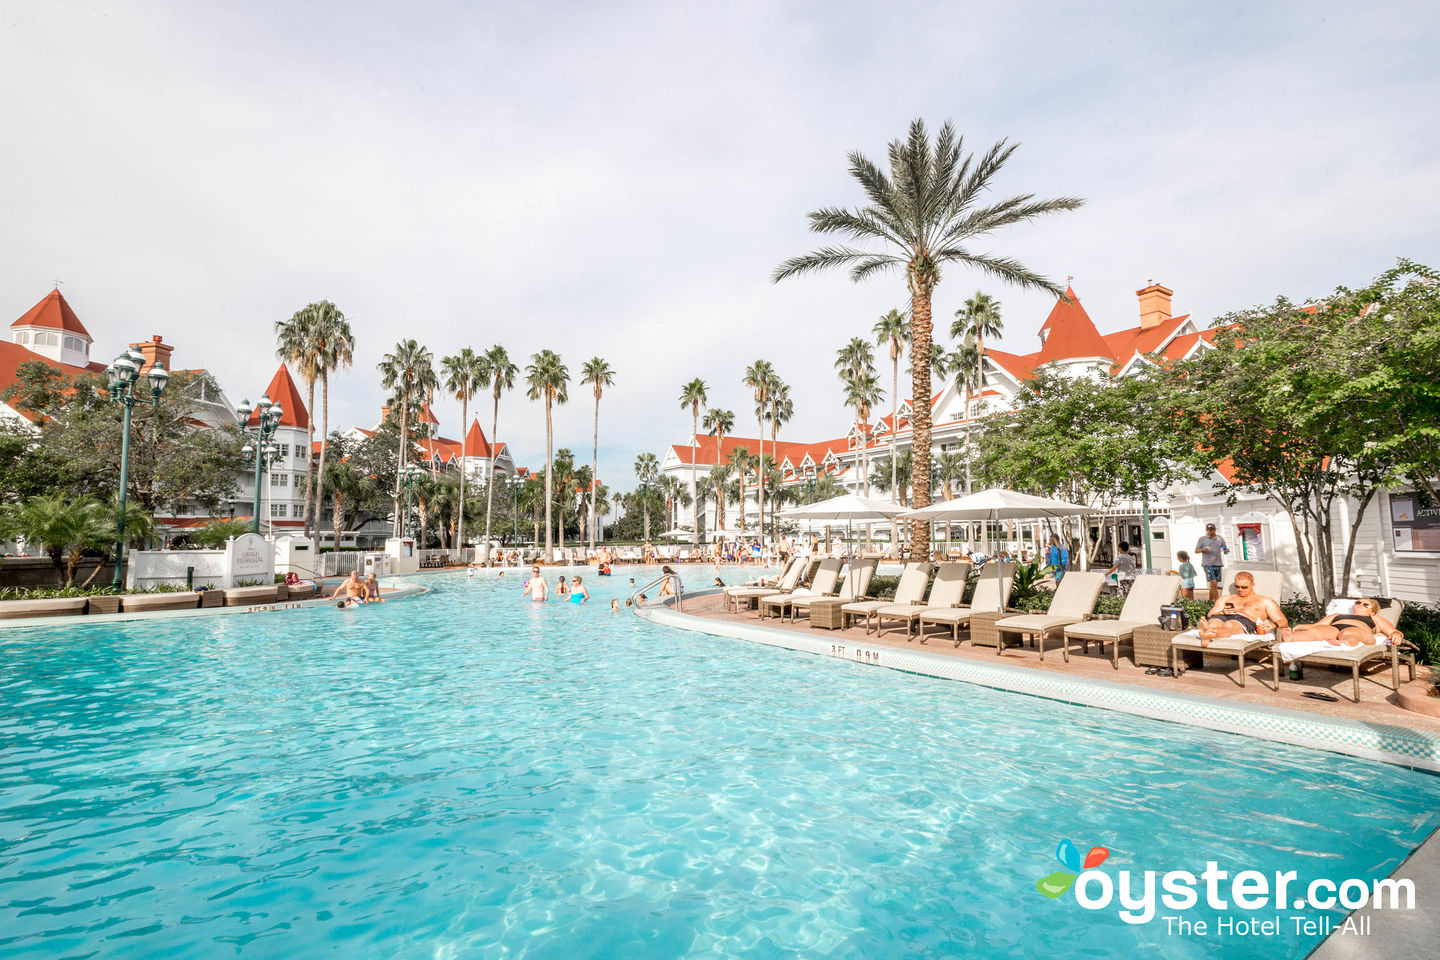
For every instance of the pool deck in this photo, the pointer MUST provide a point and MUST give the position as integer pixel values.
(1375, 728)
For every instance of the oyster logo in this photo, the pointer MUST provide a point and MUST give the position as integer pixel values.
(1060, 881)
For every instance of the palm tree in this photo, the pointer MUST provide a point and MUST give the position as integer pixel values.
(893, 329)
(977, 319)
(740, 462)
(694, 396)
(645, 468)
(346, 485)
(465, 374)
(855, 362)
(862, 392)
(409, 374)
(925, 214)
(599, 375)
(549, 380)
(64, 528)
(719, 476)
(564, 468)
(618, 498)
(780, 411)
(760, 377)
(318, 340)
(501, 378)
(718, 423)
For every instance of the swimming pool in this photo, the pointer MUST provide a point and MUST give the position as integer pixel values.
(466, 774)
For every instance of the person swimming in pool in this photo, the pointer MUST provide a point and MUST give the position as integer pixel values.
(561, 589)
(578, 593)
(536, 588)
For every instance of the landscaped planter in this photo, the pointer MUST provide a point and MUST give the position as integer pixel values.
(212, 598)
(245, 596)
(149, 602)
(108, 604)
(57, 607)
(282, 591)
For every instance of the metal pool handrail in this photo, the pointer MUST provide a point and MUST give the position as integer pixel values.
(655, 583)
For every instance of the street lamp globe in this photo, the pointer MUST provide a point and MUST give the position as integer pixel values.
(158, 379)
(242, 412)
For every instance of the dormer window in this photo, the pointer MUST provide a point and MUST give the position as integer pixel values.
(22, 338)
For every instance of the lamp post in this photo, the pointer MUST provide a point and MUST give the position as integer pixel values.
(265, 449)
(412, 475)
(123, 374)
(1144, 499)
(515, 483)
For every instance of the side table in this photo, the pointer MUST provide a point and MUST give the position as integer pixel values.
(825, 614)
(1152, 648)
(982, 627)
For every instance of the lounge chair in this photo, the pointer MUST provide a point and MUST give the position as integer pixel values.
(1148, 594)
(853, 587)
(802, 574)
(1395, 652)
(911, 589)
(1074, 600)
(991, 594)
(1268, 583)
(946, 593)
(821, 586)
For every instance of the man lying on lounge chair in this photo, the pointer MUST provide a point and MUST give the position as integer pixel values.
(1243, 612)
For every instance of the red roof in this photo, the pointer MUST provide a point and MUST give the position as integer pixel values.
(1070, 333)
(12, 355)
(1126, 343)
(476, 444)
(55, 313)
(282, 390)
(706, 455)
(1020, 366)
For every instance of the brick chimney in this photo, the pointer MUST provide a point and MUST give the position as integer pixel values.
(154, 350)
(1154, 305)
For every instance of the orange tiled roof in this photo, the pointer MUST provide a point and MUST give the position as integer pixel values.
(55, 313)
(282, 389)
(12, 355)
(1070, 333)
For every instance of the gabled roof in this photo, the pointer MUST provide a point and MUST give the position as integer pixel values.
(282, 390)
(1124, 344)
(1020, 366)
(55, 313)
(706, 454)
(477, 445)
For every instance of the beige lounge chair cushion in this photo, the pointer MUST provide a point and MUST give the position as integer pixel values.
(866, 607)
(1104, 629)
(905, 611)
(1244, 643)
(1034, 622)
(1348, 655)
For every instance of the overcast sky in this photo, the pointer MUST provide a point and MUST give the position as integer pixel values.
(621, 179)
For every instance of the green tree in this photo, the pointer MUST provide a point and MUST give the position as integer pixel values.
(598, 374)
(717, 424)
(760, 377)
(409, 374)
(646, 468)
(317, 339)
(214, 534)
(925, 214)
(64, 528)
(740, 463)
(893, 330)
(549, 380)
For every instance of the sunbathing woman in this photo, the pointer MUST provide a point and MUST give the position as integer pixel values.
(1350, 629)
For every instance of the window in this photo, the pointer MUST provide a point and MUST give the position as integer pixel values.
(1415, 521)
(284, 450)
(75, 343)
(279, 479)
(47, 340)
(279, 509)
(22, 338)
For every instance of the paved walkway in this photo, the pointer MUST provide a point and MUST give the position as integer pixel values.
(1216, 679)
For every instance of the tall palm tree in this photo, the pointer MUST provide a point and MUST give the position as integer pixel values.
(599, 375)
(760, 377)
(618, 499)
(856, 362)
(466, 373)
(862, 391)
(781, 410)
(718, 423)
(719, 476)
(564, 468)
(501, 375)
(409, 374)
(317, 339)
(893, 329)
(925, 214)
(549, 380)
(977, 319)
(694, 396)
(645, 468)
(740, 463)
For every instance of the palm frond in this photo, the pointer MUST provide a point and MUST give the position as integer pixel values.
(1002, 268)
(822, 259)
(857, 224)
(874, 263)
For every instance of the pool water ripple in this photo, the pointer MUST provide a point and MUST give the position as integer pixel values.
(469, 775)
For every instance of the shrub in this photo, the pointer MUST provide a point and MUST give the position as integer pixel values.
(1421, 625)
(883, 588)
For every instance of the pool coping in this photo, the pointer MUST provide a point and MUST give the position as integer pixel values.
(400, 592)
(1385, 743)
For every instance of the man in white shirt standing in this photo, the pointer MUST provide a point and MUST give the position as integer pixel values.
(1212, 550)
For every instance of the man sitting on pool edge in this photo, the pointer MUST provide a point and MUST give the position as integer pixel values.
(1242, 612)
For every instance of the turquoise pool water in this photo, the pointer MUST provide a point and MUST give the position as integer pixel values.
(469, 775)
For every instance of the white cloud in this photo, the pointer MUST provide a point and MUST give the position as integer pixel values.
(622, 182)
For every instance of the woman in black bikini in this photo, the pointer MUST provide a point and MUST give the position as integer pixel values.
(1350, 629)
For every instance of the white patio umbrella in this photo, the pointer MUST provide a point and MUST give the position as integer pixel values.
(848, 507)
(677, 533)
(994, 505)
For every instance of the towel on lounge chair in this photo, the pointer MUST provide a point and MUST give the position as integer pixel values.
(1296, 649)
(1193, 636)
